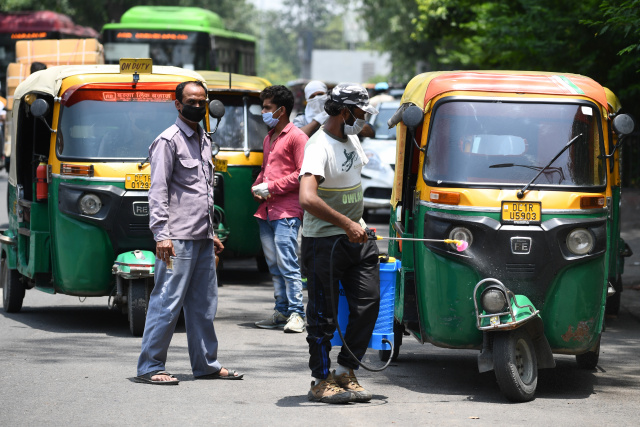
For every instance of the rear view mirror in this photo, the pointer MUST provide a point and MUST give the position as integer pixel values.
(623, 124)
(39, 108)
(412, 117)
(216, 109)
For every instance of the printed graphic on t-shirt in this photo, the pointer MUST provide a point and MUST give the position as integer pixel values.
(348, 164)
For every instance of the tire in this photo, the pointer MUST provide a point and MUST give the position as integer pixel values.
(515, 365)
(12, 288)
(398, 330)
(589, 360)
(612, 306)
(137, 303)
(261, 263)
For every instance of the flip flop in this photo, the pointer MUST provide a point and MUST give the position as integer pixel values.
(231, 375)
(146, 378)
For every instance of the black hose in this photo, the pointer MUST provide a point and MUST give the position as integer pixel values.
(335, 317)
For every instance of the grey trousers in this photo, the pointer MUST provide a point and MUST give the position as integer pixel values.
(191, 284)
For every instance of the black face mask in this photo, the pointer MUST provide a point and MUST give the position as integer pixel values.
(194, 114)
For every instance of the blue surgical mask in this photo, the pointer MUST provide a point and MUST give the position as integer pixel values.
(269, 120)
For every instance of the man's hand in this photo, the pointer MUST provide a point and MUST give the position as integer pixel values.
(261, 190)
(356, 233)
(217, 245)
(164, 250)
(321, 118)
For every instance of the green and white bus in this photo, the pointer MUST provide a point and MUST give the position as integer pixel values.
(187, 37)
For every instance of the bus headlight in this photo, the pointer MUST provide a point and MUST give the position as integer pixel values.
(460, 233)
(90, 204)
(580, 241)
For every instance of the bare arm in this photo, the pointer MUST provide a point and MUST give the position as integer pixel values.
(312, 203)
(311, 128)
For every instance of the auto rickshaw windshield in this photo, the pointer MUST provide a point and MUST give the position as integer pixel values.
(231, 131)
(96, 129)
(508, 143)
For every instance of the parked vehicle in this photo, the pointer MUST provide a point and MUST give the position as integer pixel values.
(239, 137)
(79, 180)
(525, 168)
(377, 175)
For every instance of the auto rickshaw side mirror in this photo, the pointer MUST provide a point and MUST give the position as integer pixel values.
(216, 109)
(623, 124)
(39, 109)
(412, 117)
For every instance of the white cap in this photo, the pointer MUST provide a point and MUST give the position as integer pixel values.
(314, 86)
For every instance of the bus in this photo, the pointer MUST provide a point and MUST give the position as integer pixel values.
(187, 37)
(38, 25)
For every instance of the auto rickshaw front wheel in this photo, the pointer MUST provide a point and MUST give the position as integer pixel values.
(12, 288)
(515, 364)
(137, 303)
(589, 360)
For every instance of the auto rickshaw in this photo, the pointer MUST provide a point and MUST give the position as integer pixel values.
(239, 136)
(525, 168)
(78, 185)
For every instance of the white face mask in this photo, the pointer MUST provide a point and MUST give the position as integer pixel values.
(315, 106)
(356, 127)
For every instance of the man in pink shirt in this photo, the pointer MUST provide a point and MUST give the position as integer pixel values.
(279, 214)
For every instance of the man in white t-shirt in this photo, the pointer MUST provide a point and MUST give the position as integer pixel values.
(331, 195)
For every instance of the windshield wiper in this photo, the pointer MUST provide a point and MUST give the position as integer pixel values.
(520, 193)
(141, 164)
(548, 170)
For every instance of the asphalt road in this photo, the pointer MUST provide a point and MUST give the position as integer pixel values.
(68, 361)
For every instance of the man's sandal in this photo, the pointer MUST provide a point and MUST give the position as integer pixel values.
(146, 378)
(231, 375)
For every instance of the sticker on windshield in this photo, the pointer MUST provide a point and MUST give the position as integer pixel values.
(587, 111)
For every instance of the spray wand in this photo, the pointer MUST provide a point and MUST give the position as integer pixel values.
(461, 245)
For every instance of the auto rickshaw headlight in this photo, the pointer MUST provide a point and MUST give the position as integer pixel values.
(580, 241)
(493, 300)
(90, 204)
(462, 234)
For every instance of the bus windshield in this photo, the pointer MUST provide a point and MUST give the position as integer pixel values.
(122, 128)
(189, 50)
(233, 126)
(509, 143)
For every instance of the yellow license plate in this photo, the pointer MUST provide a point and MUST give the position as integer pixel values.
(220, 164)
(137, 181)
(521, 212)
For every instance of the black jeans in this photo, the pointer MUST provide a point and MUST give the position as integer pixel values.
(356, 267)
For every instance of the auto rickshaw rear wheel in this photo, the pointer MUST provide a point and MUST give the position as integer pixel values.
(398, 330)
(137, 303)
(515, 365)
(12, 288)
(589, 360)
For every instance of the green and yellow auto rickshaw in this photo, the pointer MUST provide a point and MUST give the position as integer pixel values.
(78, 186)
(525, 168)
(239, 138)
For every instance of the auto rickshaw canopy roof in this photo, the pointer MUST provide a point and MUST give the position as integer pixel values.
(426, 86)
(50, 80)
(219, 81)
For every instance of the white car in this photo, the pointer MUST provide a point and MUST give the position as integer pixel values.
(377, 175)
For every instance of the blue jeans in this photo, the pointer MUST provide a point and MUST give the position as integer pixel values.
(280, 246)
(191, 284)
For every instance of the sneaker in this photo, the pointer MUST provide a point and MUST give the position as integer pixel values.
(328, 391)
(295, 323)
(277, 320)
(350, 383)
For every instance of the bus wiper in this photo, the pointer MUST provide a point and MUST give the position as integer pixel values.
(520, 193)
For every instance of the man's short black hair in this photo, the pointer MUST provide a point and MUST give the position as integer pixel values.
(279, 95)
(181, 86)
(37, 66)
(334, 108)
